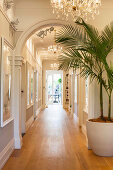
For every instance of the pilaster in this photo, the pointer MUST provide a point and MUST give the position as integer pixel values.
(18, 60)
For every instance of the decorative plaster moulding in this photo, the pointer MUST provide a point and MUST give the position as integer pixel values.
(8, 4)
(4, 12)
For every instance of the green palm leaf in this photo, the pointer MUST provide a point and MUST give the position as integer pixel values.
(87, 50)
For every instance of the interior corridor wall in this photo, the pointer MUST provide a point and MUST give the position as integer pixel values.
(32, 65)
(6, 31)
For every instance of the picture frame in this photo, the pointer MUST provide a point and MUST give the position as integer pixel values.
(6, 76)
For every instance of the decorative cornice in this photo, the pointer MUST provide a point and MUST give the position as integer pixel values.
(9, 45)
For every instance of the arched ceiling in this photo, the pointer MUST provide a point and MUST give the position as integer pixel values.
(42, 44)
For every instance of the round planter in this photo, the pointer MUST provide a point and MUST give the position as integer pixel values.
(100, 138)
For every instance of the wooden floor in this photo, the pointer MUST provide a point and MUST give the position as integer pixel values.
(54, 142)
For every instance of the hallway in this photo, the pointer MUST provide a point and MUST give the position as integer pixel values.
(54, 142)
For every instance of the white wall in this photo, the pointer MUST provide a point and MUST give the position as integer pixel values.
(7, 132)
(31, 11)
(33, 63)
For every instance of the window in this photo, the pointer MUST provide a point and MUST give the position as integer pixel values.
(33, 50)
(28, 87)
(30, 46)
(37, 87)
(86, 94)
(28, 43)
(32, 86)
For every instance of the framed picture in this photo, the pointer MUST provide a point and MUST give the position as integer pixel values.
(6, 82)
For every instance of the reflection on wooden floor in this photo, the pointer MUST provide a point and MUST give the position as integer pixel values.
(55, 142)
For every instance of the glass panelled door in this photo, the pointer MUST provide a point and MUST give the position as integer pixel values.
(54, 86)
(50, 89)
(57, 81)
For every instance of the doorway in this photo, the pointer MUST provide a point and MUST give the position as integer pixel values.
(54, 86)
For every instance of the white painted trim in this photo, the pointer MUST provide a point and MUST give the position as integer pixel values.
(77, 118)
(29, 122)
(18, 142)
(85, 133)
(29, 106)
(84, 129)
(38, 111)
(5, 154)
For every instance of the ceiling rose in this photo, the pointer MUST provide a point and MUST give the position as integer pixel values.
(86, 9)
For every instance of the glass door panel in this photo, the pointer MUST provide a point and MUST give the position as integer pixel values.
(57, 81)
(50, 89)
(54, 85)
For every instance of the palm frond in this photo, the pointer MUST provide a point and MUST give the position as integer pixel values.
(107, 37)
(91, 31)
(86, 49)
(70, 36)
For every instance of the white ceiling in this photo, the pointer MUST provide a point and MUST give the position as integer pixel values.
(32, 11)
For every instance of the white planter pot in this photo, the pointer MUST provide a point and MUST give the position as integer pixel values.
(100, 138)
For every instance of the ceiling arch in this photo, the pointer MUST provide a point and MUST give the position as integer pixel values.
(31, 30)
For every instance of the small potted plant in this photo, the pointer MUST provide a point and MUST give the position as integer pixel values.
(87, 50)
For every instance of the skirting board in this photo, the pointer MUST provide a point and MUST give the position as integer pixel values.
(77, 118)
(29, 122)
(38, 111)
(84, 130)
(6, 153)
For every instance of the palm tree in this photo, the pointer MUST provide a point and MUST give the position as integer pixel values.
(86, 49)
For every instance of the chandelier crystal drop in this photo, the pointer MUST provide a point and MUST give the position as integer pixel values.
(86, 9)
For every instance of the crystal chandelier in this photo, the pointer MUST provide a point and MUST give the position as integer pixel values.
(86, 9)
(55, 49)
(54, 66)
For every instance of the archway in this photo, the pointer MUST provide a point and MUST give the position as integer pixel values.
(18, 60)
(32, 29)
